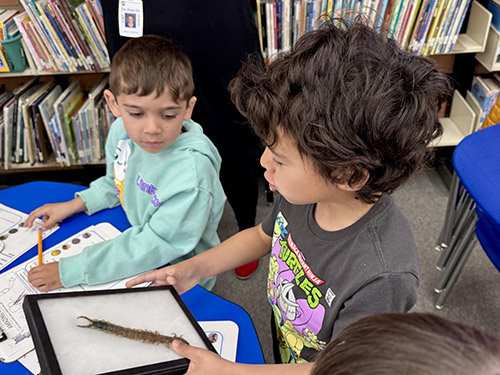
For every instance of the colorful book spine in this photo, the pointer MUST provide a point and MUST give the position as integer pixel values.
(457, 32)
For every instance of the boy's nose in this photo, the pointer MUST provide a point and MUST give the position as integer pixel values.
(152, 127)
(265, 159)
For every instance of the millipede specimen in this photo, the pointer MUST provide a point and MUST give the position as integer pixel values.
(143, 335)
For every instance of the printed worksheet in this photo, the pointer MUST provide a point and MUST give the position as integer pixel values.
(223, 334)
(15, 239)
(14, 286)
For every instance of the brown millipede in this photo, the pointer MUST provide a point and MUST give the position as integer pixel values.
(150, 337)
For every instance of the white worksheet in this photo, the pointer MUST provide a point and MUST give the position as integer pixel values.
(14, 286)
(223, 334)
(15, 237)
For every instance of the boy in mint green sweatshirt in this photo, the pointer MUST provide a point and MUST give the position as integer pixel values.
(160, 167)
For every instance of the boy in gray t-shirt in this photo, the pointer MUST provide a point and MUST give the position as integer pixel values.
(346, 117)
(322, 281)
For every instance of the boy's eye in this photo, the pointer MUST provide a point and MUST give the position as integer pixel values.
(135, 114)
(169, 117)
(277, 162)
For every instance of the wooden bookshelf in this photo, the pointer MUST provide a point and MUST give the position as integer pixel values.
(30, 73)
(22, 172)
(9, 3)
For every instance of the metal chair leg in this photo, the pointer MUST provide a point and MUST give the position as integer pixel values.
(462, 239)
(465, 219)
(440, 301)
(445, 235)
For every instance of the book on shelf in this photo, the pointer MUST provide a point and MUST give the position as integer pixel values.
(10, 116)
(96, 13)
(486, 91)
(95, 100)
(64, 107)
(23, 137)
(42, 143)
(443, 34)
(80, 144)
(494, 8)
(8, 119)
(421, 26)
(42, 122)
(33, 147)
(92, 36)
(6, 99)
(6, 22)
(47, 112)
(63, 35)
(458, 24)
(4, 66)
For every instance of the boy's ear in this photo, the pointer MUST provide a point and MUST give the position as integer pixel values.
(113, 104)
(354, 187)
(189, 109)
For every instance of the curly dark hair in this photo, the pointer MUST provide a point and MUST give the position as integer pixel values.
(353, 101)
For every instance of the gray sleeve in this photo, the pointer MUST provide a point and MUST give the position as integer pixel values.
(386, 293)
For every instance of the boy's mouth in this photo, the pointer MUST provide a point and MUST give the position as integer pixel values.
(153, 144)
(272, 187)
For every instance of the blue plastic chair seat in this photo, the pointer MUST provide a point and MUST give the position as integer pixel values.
(477, 163)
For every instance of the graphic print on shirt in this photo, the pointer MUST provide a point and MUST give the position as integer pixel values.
(294, 296)
(122, 154)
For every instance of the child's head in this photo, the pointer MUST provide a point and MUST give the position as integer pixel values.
(411, 344)
(151, 64)
(362, 110)
(152, 89)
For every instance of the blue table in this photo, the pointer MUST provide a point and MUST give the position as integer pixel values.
(204, 305)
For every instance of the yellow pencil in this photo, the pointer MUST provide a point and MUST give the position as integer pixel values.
(40, 248)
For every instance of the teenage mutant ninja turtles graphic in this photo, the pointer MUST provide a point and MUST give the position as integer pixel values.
(294, 295)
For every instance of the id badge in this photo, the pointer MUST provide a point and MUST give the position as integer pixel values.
(130, 18)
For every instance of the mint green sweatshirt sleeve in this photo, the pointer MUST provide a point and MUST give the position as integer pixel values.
(173, 233)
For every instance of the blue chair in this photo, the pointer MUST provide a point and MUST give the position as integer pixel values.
(473, 212)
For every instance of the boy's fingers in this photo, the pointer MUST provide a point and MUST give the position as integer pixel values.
(183, 349)
(141, 279)
(29, 220)
(49, 223)
(33, 215)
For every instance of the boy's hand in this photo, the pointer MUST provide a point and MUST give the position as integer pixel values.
(45, 277)
(182, 276)
(203, 362)
(54, 213)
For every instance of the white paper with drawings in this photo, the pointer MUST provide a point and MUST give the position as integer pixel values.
(14, 286)
(223, 334)
(15, 237)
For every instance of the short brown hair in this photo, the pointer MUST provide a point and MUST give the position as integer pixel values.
(353, 101)
(151, 64)
(410, 344)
